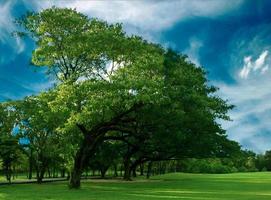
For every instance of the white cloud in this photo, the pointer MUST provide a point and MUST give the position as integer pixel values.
(249, 46)
(145, 17)
(258, 65)
(251, 94)
(5, 19)
(7, 27)
(193, 50)
(252, 114)
(261, 60)
(264, 69)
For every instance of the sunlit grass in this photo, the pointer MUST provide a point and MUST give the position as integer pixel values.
(239, 186)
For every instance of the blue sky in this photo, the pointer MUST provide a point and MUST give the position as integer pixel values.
(231, 39)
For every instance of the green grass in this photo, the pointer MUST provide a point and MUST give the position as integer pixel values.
(237, 186)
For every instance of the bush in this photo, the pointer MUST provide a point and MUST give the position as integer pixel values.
(212, 166)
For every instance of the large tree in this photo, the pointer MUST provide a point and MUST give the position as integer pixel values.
(184, 125)
(112, 84)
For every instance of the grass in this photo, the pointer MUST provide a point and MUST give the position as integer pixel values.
(237, 186)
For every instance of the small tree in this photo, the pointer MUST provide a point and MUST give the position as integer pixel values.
(9, 144)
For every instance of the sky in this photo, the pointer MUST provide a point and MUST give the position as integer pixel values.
(231, 39)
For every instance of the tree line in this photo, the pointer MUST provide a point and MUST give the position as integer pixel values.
(119, 102)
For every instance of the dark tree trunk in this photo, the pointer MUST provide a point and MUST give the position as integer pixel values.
(30, 165)
(8, 172)
(63, 173)
(127, 174)
(77, 171)
(141, 166)
(75, 178)
(149, 169)
(42, 164)
(14, 173)
(139, 162)
(134, 172)
(40, 175)
(121, 170)
(91, 139)
(103, 172)
(127, 169)
(127, 164)
(115, 170)
(69, 175)
(86, 150)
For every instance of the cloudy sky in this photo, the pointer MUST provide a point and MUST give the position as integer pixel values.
(231, 39)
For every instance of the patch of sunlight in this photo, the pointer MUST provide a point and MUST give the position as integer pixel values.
(169, 196)
(103, 187)
(2, 196)
(244, 181)
(259, 193)
(181, 191)
(254, 193)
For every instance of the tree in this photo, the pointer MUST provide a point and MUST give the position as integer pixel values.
(260, 162)
(9, 144)
(70, 44)
(38, 126)
(98, 107)
(112, 84)
(106, 156)
(182, 126)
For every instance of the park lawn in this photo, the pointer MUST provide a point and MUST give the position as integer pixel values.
(237, 186)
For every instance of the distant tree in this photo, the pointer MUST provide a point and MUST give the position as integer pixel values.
(260, 162)
(10, 150)
(106, 156)
(267, 157)
(38, 126)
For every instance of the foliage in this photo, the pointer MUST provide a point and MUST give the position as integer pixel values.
(112, 89)
(10, 151)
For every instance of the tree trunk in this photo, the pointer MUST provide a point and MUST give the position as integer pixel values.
(85, 151)
(63, 173)
(40, 175)
(75, 178)
(14, 173)
(91, 139)
(121, 170)
(149, 170)
(103, 172)
(69, 175)
(141, 166)
(127, 169)
(134, 172)
(77, 171)
(30, 164)
(115, 170)
(8, 172)
(127, 174)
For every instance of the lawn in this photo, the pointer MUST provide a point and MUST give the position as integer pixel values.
(237, 186)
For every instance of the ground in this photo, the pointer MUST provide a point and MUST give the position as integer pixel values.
(239, 186)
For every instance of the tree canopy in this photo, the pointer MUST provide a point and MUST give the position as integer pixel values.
(115, 91)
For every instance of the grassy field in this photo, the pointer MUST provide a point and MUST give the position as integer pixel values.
(237, 186)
